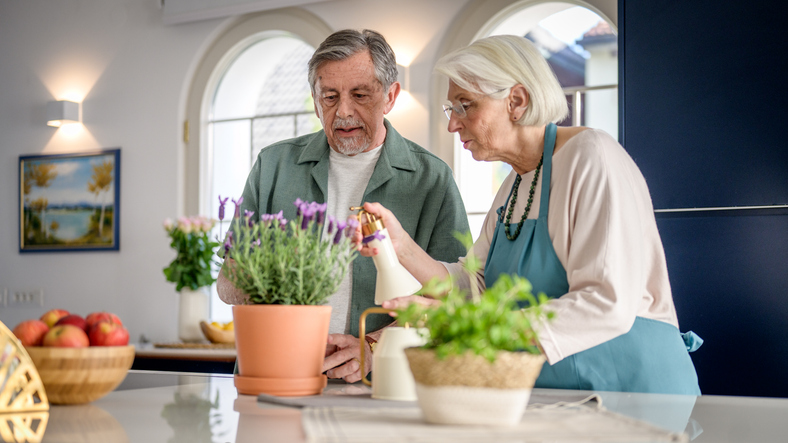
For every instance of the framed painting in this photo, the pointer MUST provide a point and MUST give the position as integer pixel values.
(70, 202)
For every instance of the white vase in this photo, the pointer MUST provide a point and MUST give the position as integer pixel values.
(192, 308)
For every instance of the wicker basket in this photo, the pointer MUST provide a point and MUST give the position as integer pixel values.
(81, 375)
(469, 389)
(511, 370)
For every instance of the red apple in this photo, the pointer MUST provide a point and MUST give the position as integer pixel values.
(52, 316)
(66, 336)
(31, 332)
(95, 317)
(73, 319)
(108, 333)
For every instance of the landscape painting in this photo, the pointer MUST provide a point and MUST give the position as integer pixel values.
(69, 202)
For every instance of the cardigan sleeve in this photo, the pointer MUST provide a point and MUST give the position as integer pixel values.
(603, 230)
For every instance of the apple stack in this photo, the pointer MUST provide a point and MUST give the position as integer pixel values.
(78, 359)
(60, 328)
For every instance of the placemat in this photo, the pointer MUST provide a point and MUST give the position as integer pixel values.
(195, 345)
(588, 423)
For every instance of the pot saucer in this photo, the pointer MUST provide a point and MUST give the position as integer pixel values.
(285, 387)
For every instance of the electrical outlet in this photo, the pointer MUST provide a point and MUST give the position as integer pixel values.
(28, 297)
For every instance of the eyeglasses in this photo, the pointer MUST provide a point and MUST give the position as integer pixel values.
(460, 108)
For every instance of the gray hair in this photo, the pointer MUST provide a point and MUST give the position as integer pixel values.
(502, 61)
(346, 43)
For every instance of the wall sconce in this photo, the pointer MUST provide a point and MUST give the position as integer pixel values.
(63, 112)
(403, 77)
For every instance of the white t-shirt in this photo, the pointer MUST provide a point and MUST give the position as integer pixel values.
(602, 226)
(347, 180)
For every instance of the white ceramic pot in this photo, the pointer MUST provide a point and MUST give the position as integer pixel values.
(465, 405)
(192, 308)
(468, 389)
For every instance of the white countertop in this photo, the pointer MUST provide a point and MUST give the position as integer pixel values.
(177, 407)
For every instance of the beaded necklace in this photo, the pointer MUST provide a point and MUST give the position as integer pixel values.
(527, 206)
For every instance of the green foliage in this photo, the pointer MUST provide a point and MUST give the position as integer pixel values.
(480, 323)
(192, 266)
(288, 263)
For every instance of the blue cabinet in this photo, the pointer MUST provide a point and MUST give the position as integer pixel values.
(703, 113)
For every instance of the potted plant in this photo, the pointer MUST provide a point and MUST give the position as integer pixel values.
(191, 271)
(288, 269)
(481, 357)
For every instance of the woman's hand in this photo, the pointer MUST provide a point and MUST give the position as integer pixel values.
(409, 253)
(403, 302)
(399, 237)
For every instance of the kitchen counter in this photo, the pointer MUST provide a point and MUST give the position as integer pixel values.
(176, 407)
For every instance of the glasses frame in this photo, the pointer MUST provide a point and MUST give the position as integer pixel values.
(459, 109)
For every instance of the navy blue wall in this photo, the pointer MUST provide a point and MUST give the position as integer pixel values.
(702, 103)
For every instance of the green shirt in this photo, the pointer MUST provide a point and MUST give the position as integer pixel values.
(410, 181)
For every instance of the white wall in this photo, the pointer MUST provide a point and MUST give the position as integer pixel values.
(133, 73)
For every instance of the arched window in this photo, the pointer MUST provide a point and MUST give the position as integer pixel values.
(251, 90)
(582, 49)
(262, 98)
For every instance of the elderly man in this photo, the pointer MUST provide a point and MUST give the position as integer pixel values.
(357, 157)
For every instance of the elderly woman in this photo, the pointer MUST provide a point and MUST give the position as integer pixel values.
(574, 217)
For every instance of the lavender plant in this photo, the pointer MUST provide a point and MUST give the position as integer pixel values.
(295, 262)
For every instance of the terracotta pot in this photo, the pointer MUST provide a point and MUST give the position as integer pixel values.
(280, 348)
(468, 389)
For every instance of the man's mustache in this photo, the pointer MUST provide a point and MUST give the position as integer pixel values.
(348, 123)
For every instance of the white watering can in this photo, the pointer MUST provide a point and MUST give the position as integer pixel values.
(392, 379)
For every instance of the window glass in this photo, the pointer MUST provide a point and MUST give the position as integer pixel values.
(263, 97)
(582, 50)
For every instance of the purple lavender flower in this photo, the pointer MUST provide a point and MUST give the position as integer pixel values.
(299, 204)
(221, 207)
(283, 224)
(308, 213)
(352, 224)
(331, 222)
(376, 236)
(228, 243)
(238, 206)
(340, 227)
(321, 212)
(248, 216)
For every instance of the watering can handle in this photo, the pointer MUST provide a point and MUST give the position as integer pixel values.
(362, 323)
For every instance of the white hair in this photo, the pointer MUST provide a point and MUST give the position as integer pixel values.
(500, 62)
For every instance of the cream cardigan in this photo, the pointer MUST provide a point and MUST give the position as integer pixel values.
(601, 222)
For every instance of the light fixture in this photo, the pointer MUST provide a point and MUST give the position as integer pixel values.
(63, 112)
(403, 77)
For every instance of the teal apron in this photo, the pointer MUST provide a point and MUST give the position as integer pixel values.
(652, 357)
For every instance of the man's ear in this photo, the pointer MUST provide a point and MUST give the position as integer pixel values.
(391, 97)
(518, 101)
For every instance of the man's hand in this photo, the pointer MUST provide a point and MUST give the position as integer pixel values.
(344, 362)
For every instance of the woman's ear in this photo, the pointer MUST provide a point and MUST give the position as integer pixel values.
(518, 102)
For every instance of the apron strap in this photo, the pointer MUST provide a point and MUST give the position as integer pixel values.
(547, 167)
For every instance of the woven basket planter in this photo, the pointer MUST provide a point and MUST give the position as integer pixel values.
(468, 389)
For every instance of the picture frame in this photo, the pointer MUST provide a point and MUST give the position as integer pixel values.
(62, 198)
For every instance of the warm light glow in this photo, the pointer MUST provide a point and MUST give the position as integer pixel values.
(67, 137)
(404, 55)
(404, 101)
